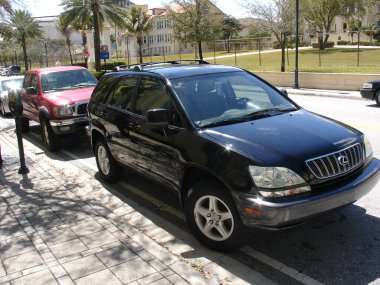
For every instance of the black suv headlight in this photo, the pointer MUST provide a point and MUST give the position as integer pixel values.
(367, 145)
(277, 181)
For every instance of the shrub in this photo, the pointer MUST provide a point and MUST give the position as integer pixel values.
(327, 45)
(343, 43)
(98, 74)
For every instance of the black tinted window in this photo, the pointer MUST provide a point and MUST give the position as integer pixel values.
(101, 90)
(151, 95)
(123, 93)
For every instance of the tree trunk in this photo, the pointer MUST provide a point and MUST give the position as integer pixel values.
(69, 47)
(325, 41)
(139, 42)
(200, 50)
(23, 43)
(283, 56)
(96, 38)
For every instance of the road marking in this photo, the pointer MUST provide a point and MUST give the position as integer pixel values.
(81, 160)
(304, 279)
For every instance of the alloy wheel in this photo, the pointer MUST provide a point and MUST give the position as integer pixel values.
(103, 159)
(213, 218)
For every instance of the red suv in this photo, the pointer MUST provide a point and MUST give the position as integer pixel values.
(57, 98)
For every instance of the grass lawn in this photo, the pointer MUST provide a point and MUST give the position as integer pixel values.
(338, 60)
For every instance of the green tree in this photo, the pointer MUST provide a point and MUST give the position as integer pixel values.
(138, 23)
(195, 21)
(231, 28)
(20, 27)
(320, 14)
(372, 30)
(277, 16)
(66, 30)
(81, 13)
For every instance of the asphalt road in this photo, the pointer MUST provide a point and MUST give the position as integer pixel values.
(341, 247)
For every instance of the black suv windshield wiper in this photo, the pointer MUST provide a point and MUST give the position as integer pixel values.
(255, 115)
(269, 112)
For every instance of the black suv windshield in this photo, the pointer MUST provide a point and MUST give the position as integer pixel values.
(65, 80)
(229, 97)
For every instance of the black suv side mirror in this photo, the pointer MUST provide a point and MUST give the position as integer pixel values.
(283, 91)
(31, 91)
(158, 117)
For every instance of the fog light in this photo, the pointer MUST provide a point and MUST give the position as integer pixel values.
(64, 129)
(253, 212)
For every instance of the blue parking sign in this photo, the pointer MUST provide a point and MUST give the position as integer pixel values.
(104, 55)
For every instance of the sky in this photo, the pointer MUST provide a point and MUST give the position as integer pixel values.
(40, 8)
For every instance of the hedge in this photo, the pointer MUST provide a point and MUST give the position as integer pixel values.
(327, 45)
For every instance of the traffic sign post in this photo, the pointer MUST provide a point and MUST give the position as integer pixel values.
(104, 54)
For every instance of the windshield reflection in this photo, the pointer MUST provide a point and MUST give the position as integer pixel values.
(65, 80)
(229, 97)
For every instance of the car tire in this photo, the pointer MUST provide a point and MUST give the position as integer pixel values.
(2, 110)
(108, 168)
(212, 216)
(50, 139)
(24, 123)
(377, 97)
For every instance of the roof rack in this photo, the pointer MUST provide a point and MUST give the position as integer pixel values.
(140, 66)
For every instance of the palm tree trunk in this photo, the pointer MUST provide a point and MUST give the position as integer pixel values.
(96, 39)
(139, 42)
(23, 44)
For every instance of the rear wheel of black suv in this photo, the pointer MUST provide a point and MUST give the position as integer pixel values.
(50, 138)
(212, 216)
(109, 170)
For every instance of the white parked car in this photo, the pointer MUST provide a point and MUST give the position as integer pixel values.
(5, 85)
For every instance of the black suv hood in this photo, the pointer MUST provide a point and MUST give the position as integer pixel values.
(285, 139)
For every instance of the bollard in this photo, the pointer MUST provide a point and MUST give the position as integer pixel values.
(15, 105)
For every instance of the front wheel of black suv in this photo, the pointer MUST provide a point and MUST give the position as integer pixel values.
(212, 216)
(49, 137)
(109, 170)
(377, 98)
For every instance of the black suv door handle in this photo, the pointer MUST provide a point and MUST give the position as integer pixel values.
(134, 126)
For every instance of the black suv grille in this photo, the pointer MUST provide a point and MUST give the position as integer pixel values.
(336, 163)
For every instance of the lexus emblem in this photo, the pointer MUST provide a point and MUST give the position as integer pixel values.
(343, 160)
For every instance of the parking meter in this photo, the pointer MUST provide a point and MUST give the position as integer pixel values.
(14, 102)
(15, 106)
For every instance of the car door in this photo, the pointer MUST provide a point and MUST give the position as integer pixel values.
(155, 154)
(31, 102)
(116, 117)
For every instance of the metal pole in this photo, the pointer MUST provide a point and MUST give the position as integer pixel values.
(46, 56)
(16, 57)
(296, 85)
(23, 168)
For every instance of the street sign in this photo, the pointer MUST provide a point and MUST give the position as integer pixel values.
(104, 55)
(86, 54)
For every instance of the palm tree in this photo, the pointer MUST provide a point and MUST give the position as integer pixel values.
(20, 27)
(5, 7)
(66, 31)
(82, 13)
(138, 23)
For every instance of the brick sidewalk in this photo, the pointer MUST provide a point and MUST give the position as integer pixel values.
(58, 230)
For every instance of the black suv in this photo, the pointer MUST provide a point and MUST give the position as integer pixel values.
(235, 149)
